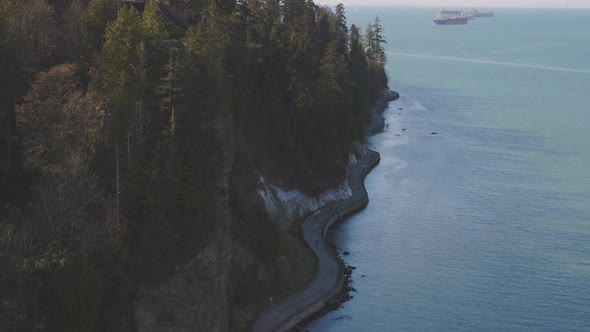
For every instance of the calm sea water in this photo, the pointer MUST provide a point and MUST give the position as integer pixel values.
(485, 226)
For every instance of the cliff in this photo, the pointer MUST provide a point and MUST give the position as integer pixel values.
(286, 206)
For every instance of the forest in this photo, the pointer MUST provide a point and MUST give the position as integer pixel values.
(130, 142)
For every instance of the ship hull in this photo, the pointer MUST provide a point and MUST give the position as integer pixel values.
(452, 22)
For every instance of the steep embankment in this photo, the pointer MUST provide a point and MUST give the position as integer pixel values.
(195, 296)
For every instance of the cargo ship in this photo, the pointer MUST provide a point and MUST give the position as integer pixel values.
(476, 13)
(443, 18)
(488, 14)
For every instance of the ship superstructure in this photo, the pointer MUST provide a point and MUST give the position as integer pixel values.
(451, 17)
(455, 17)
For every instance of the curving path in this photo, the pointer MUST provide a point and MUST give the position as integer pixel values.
(329, 277)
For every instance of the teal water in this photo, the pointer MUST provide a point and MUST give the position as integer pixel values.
(485, 226)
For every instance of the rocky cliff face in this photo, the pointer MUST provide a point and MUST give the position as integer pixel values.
(195, 297)
(286, 206)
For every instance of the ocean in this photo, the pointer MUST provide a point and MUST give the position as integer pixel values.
(479, 213)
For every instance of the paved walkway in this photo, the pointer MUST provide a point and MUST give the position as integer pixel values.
(328, 279)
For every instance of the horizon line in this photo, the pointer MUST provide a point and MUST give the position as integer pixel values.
(450, 7)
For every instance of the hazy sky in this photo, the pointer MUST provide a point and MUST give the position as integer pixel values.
(464, 3)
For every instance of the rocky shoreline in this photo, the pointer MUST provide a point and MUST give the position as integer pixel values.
(337, 300)
(377, 122)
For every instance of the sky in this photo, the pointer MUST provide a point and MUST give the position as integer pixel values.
(464, 3)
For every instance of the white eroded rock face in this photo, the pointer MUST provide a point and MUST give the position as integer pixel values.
(286, 206)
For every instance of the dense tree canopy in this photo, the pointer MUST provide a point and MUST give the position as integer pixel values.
(113, 136)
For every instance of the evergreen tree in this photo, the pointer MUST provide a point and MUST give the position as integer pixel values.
(341, 28)
(271, 16)
(152, 26)
(374, 41)
(95, 19)
(358, 70)
(324, 33)
(337, 124)
(208, 41)
(378, 41)
(293, 12)
(122, 37)
(334, 71)
(368, 42)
